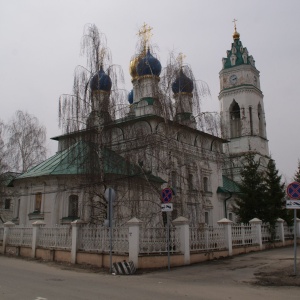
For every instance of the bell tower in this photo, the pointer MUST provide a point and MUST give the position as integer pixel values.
(242, 108)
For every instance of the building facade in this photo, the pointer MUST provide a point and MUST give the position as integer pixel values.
(156, 143)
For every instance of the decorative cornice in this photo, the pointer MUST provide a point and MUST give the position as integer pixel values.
(176, 95)
(238, 68)
(245, 88)
(99, 92)
(138, 78)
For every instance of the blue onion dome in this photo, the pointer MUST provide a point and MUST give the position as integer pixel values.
(182, 84)
(148, 65)
(130, 97)
(100, 81)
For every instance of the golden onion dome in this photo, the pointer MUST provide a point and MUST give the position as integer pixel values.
(235, 35)
(132, 67)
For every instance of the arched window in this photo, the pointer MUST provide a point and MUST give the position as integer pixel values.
(235, 120)
(73, 206)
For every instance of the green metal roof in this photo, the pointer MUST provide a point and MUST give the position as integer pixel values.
(238, 51)
(229, 186)
(84, 158)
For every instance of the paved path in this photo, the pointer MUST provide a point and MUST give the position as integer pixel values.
(221, 279)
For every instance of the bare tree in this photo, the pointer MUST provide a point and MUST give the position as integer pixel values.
(112, 147)
(3, 162)
(25, 142)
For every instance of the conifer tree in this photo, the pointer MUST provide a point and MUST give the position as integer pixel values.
(274, 197)
(297, 178)
(252, 187)
(297, 174)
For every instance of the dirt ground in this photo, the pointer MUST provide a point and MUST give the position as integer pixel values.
(279, 276)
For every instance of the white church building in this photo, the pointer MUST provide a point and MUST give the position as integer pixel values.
(157, 142)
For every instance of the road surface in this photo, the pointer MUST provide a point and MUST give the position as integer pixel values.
(220, 279)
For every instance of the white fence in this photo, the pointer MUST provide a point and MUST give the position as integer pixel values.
(154, 240)
(288, 232)
(20, 236)
(59, 237)
(95, 238)
(243, 234)
(207, 238)
(136, 240)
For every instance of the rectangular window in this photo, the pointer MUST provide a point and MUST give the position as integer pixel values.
(38, 202)
(206, 215)
(190, 183)
(18, 208)
(251, 121)
(174, 180)
(205, 184)
(73, 206)
(7, 204)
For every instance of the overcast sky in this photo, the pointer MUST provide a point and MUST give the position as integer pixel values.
(40, 45)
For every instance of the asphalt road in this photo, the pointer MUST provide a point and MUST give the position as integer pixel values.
(220, 279)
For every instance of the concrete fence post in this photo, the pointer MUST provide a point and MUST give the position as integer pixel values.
(228, 233)
(7, 226)
(256, 226)
(280, 224)
(298, 227)
(134, 240)
(35, 233)
(75, 232)
(182, 225)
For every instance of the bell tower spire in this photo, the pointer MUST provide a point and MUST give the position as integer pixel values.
(242, 105)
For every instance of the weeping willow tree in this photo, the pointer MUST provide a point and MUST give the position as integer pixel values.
(139, 148)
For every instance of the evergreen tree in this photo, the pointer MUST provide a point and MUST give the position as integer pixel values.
(297, 174)
(296, 178)
(252, 187)
(274, 197)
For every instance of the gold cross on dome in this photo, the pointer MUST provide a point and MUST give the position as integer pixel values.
(180, 59)
(145, 33)
(234, 21)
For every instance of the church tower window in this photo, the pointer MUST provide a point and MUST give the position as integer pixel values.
(251, 120)
(261, 121)
(235, 120)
